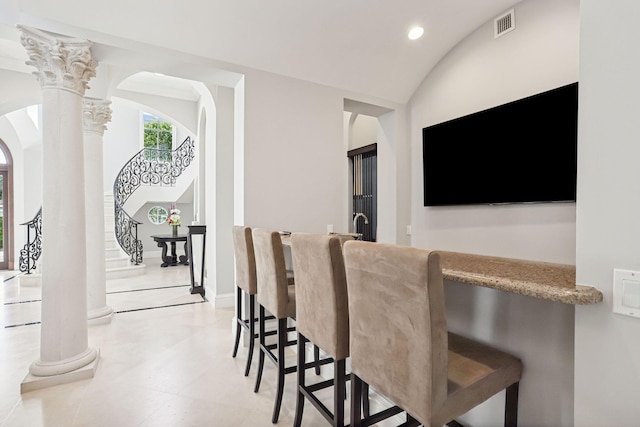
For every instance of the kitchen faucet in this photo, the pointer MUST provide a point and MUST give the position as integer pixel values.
(355, 220)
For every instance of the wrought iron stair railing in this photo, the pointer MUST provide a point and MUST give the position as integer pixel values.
(149, 166)
(32, 250)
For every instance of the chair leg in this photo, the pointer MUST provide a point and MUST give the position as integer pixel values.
(411, 422)
(316, 358)
(297, 422)
(366, 407)
(261, 332)
(238, 319)
(356, 396)
(511, 406)
(282, 343)
(252, 332)
(339, 395)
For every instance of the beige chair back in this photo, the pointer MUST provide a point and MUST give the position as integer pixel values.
(398, 330)
(322, 310)
(274, 294)
(245, 259)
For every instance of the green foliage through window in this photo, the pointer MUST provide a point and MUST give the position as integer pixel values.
(158, 215)
(158, 138)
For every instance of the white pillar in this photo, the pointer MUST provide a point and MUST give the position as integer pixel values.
(64, 66)
(96, 115)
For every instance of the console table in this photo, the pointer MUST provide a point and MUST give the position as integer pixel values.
(172, 259)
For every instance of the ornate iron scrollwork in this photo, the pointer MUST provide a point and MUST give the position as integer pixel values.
(150, 167)
(33, 248)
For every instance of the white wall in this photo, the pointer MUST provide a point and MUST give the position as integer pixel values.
(364, 131)
(20, 90)
(295, 173)
(122, 139)
(607, 363)
(482, 72)
(148, 229)
(220, 195)
(27, 180)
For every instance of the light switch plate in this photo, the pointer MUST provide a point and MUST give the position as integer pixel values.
(626, 292)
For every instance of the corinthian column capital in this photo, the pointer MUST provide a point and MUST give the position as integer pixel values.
(96, 113)
(61, 62)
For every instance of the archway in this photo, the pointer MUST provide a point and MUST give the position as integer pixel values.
(6, 208)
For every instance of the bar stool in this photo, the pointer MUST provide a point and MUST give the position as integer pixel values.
(246, 285)
(322, 317)
(276, 294)
(407, 354)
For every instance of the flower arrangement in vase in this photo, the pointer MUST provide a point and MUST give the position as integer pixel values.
(174, 219)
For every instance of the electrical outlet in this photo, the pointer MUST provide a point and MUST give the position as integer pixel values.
(329, 228)
(408, 230)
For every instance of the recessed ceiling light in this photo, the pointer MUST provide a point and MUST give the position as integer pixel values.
(415, 33)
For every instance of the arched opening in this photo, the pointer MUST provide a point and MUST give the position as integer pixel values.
(6, 208)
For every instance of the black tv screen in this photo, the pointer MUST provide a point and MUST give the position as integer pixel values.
(524, 151)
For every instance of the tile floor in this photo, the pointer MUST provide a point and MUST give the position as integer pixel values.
(165, 361)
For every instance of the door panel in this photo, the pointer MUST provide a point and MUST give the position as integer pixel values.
(4, 235)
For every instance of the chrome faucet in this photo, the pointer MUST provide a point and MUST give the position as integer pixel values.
(355, 220)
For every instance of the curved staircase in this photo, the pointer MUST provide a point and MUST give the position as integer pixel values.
(117, 263)
(123, 249)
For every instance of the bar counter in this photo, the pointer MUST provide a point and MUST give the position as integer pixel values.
(548, 281)
(543, 280)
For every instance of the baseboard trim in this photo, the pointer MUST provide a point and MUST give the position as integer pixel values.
(219, 301)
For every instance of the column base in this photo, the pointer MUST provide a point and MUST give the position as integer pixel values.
(32, 382)
(100, 316)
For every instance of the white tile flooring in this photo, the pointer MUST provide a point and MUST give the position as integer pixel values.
(165, 361)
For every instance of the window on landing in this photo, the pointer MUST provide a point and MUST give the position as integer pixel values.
(158, 138)
(157, 215)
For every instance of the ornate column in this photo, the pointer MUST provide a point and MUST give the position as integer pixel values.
(64, 66)
(96, 115)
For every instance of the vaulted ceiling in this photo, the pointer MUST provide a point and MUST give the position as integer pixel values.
(356, 45)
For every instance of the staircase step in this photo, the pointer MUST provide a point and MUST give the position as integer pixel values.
(128, 271)
(113, 252)
(111, 244)
(116, 262)
(35, 279)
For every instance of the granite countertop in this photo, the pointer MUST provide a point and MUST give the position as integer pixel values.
(554, 282)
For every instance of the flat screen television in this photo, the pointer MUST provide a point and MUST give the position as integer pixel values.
(524, 151)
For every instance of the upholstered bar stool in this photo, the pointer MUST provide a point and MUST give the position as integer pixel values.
(246, 284)
(276, 294)
(407, 354)
(322, 317)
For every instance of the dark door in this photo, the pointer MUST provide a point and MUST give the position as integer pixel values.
(364, 166)
(4, 234)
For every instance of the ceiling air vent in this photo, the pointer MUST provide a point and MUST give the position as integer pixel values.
(504, 23)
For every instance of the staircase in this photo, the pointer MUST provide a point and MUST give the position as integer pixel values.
(117, 262)
(152, 167)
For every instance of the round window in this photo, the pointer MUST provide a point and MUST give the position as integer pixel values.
(158, 215)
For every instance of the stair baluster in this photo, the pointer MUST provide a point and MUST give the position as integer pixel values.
(31, 251)
(149, 166)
